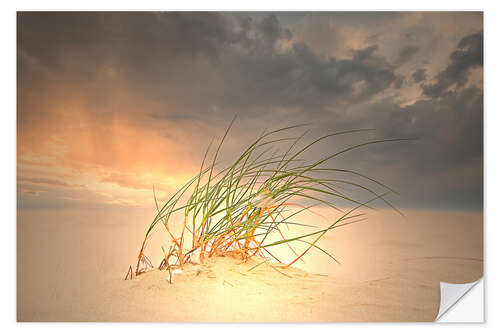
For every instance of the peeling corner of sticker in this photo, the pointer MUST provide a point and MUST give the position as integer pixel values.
(451, 293)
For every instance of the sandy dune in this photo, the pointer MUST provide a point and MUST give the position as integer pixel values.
(71, 267)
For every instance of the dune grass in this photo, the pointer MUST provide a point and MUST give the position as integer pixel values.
(233, 210)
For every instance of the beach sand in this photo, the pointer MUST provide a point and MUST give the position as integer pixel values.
(71, 267)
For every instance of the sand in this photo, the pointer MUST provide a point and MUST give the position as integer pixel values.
(71, 266)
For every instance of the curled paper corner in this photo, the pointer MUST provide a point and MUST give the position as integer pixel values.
(451, 296)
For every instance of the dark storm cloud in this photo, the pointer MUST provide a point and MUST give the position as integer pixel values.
(400, 80)
(263, 76)
(447, 156)
(205, 67)
(469, 55)
(406, 54)
(453, 121)
(121, 37)
(419, 75)
(246, 64)
(270, 29)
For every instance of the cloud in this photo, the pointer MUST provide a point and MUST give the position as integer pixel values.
(419, 75)
(36, 193)
(297, 77)
(134, 98)
(44, 181)
(406, 54)
(446, 158)
(398, 83)
(468, 56)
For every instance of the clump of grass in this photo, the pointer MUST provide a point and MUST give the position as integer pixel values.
(233, 210)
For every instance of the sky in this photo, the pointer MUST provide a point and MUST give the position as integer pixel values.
(110, 104)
